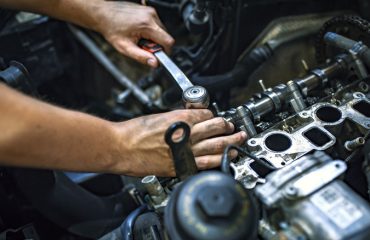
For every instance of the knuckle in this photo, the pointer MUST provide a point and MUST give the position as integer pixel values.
(178, 113)
(145, 22)
(151, 11)
(220, 122)
(202, 163)
(233, 154)
(142, 24)
(220, 145)
(202, 112)
(182, 115)
(170, 41)
(239, 138)
(208, 113)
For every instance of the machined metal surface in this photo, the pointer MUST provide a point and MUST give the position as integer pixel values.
(333, 212)
(247, 124)
(195, 97)
(301, 142)
(315, 128)
(181, 79)
(296, 98)
(273, 100)
(154, 188)
(312, 202)
(274, 191)
(355, 143)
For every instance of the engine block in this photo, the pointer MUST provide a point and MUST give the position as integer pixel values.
(315, 128)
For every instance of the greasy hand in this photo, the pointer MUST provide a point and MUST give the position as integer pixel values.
(123, 24)
(142, 140)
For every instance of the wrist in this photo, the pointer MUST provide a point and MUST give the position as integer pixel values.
(78, 12)
(99, 18)
(118, 153)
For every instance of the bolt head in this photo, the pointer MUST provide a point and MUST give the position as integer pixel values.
(291, 191)
(217, 202)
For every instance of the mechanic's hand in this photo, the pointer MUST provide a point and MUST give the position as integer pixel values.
(143, 141)
(123, 24)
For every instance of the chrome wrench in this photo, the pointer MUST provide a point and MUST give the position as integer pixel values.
(194, 97)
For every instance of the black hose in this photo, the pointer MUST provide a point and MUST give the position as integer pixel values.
(159, 3)
(127, 227)
(239, 74)
(366, 164)
(236, 38)
(225, 161)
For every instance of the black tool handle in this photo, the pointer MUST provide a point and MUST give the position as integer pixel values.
(183, 157)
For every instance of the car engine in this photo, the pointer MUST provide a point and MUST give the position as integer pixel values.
(293, 75)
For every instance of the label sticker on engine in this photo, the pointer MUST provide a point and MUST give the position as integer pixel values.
(337, 208)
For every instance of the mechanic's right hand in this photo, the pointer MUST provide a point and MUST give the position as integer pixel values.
(143, 151)
(123, 24)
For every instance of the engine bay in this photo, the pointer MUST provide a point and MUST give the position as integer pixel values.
(293, 75)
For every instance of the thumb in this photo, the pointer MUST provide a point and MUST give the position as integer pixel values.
(132, 50)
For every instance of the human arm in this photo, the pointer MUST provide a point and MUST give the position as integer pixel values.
(121, 23)
(39, 135)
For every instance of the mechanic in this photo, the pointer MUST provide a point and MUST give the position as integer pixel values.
(40, 135)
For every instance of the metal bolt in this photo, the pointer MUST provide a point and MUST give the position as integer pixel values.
(364, 87)
(355, 143)
(217, 109)
(358, 95)
(154, 188)
(291, 191)
(304, 114)
(262, 85)
(245, 122)
(305, 65)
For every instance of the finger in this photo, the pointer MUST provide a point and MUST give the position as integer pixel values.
(233, 154)
(212, 161)
(217, 145)
(130, 49)
(159, 22)
(209, 161)
(161, 25)
(210, 128)
(194, 116)
(160, 36)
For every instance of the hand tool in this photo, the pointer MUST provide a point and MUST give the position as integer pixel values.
(182, 155)
(192, 96)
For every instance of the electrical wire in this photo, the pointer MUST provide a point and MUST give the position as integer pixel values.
(225, 161)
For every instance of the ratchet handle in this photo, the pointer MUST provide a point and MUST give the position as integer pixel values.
(149, 46)
(182, 155)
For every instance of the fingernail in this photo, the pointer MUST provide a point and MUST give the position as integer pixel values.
(151, 62)
(244, 135)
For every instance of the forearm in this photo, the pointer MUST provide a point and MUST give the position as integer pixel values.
(81, 12)
(36, 134)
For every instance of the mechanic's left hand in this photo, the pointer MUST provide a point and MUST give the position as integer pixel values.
(141, 149)
(123, 24)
